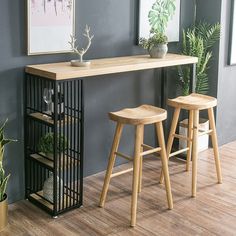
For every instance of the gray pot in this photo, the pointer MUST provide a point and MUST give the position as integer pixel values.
(159, 51)
(79, 63)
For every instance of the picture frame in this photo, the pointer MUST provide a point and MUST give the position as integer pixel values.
(232, 36)
(173, 28)
(49, 26)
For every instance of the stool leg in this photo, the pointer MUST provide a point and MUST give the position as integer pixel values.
(138, 142)
(141, 165)
(171, 137)
(190, 136)
(111, 163)
(161, 140)
(195, 152)
(215, 144)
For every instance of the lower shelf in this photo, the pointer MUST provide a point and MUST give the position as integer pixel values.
(68, 201)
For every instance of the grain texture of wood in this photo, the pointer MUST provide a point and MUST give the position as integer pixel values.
(144, 114)
(164, 160)
(136, 172)
(213, 212)
(193, 101)
(63, 70)
(112, 159)
(171, 137)
(215, 144)
(190, 137)
(195, 152)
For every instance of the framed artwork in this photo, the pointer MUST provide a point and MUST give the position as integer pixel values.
(172, 30)
(232, 42)
(50, 24)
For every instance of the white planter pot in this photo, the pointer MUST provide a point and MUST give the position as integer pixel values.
(203, 141)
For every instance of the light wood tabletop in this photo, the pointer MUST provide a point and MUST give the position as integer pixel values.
(63, 70)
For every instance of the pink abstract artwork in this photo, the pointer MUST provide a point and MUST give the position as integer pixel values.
(51, 12)
(51, 22)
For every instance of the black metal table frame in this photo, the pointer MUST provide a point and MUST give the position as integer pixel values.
(55, 83)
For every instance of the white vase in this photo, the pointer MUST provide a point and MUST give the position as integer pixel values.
(48, 192)
(203, 141)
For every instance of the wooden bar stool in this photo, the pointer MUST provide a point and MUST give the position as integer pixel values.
(138, 117)
(193, 103)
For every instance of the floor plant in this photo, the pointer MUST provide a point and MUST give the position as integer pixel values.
(198, 41)
(3, 179)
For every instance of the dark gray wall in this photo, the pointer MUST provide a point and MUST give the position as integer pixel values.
(210, 11)
(114, 24)
(226, 113)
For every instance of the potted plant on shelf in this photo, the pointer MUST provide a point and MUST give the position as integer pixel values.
(80, 52)
(3, 180)
(46, 145)
(198, 41)
(159, 15)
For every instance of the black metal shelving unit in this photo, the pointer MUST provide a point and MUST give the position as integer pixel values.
(65, 166)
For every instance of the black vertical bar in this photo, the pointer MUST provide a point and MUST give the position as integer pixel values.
(192, 84)
(78, 141)
(71, 138)
(81, 141)
(64, 166)
(55, 148)
(163, 88)
(74, 145)
(67, 134)
(26, 133)
(164, 96)
(60, 168)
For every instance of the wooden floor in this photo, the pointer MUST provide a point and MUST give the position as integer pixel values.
(213, 212)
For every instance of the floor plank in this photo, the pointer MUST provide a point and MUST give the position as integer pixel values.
(213, 212)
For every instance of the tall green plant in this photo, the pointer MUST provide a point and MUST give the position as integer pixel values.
(160, 14)
(198, 41)
(3, 179)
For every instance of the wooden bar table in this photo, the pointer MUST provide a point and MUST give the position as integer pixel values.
(66, 123)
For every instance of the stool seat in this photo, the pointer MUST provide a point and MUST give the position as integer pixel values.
(193, 101)
(145, 114)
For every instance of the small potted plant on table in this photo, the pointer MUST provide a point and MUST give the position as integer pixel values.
(156, 45)
(3, 181)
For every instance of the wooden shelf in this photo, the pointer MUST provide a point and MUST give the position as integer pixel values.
(49, 120)
(46, 203)
(68, 161)
(63, 70)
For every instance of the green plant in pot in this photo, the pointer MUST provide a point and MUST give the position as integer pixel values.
(159, 15)
(46, 145)
(3, 180)
(156, 45)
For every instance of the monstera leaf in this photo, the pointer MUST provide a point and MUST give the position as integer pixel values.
(160, 14)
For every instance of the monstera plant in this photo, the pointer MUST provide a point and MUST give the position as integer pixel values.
(3, 179)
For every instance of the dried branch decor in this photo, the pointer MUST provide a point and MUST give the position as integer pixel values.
(82, 51)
